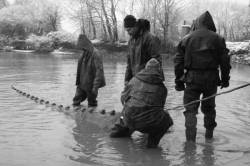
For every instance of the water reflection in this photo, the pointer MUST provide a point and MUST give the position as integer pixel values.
(32, 134)
(193, 158)
(95, 147)
(208, 155)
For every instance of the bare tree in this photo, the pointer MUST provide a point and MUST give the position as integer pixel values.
(52, 17)
(155, 6)
(108, 25)
(132, 7)
(3, 3)
(89, 9)
(114, 20)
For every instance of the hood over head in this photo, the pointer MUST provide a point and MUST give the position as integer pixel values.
(151, 73)
(205, 20)
(143, 24)
(83, 43)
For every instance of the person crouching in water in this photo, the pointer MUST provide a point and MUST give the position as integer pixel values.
(143, 99)
(90, 74)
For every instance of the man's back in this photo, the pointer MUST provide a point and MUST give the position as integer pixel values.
(202, 50)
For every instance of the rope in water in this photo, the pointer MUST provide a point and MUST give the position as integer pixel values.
(206, 98)
(103, 111)
(48, 103)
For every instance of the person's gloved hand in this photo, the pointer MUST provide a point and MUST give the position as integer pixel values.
(179, 86)
(224, 84)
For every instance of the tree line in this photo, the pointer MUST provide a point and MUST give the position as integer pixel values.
(103, 19)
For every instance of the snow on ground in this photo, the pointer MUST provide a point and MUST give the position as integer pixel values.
(239, 51)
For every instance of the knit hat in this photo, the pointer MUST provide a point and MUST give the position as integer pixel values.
(152, 63)
(152, 73)
(129, 21)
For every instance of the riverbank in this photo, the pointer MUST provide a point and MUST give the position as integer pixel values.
(239, 52)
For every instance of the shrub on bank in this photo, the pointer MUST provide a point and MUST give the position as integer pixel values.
(40, 43)
(4, 41)
(61, 39)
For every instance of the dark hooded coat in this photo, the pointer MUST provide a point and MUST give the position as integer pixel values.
(144, 99)
(202, 50)
(142, 47)
(201, 53)
(90, 72)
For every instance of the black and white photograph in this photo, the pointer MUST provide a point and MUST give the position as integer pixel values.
(124, 82)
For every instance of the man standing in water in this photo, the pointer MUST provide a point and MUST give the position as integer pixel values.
(90, 74)
(201, 53)
(142, 47)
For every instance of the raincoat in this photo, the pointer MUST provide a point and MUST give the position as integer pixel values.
(90, 74)
(142, 48)
(202, 50)
(201, 53)
(144, 98)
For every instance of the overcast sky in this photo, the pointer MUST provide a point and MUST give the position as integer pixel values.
(68, 26)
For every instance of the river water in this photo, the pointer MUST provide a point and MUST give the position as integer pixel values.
(33, 134)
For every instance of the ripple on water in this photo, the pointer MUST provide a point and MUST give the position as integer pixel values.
(33, 134)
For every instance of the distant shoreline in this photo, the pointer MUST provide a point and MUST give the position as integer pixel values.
(239, 51)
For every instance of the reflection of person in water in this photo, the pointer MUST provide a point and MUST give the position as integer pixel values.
(87, 135)
(208, 158)
(94, 147)
(191, 157)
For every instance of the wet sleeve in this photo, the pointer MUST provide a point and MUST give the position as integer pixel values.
(153, 46)
(125, 95)
(78, 72)
(128, 72)
(224, 60)
(99, 80)
(179, 63)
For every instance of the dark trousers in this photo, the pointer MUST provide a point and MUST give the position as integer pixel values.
(82, 95)
(193, 92)
(155, 127)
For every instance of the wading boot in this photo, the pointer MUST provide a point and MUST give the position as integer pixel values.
(209, 133)
(92, 104)
(154, 138)
(120, 131)
(191, 134)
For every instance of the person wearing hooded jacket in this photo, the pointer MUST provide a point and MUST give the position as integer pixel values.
(143, 100)
(142, 46)
(90, 74)
(199, 56)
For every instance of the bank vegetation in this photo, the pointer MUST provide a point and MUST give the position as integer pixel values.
(38, 25)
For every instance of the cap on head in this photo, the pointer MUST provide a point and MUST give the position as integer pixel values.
(129, 21)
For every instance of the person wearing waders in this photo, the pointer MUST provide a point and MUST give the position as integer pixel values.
(143, 100)
(200, 55)
(90, 74)
(142, 46)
